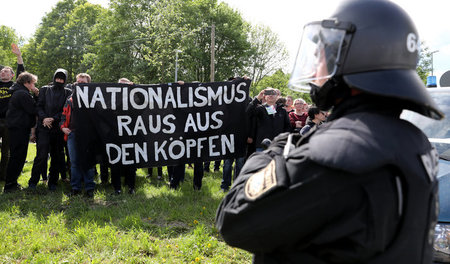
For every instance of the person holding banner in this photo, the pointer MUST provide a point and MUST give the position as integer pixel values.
(79, 174)
(119, 170)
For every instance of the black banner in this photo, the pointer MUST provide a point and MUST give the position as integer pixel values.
(162, 124)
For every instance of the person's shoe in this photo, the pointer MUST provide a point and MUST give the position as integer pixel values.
(117, 192)
(12, 188)
(90, 193)
(173, 186)
(52, 187)
(197, 188)
(74, 193)
(131, 191)
(160, 178)
(31, 188)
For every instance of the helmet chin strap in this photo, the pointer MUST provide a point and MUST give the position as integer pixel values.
(327, 95)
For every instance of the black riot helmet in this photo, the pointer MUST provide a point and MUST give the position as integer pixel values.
(371, 46)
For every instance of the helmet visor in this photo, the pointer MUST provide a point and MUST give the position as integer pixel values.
(317, 56)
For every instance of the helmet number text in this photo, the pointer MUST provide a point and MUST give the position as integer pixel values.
(412, 42)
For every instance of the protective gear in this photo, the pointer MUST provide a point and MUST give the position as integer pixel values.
(370, 46)
(352, 191)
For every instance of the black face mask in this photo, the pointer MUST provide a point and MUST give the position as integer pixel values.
(58, 85)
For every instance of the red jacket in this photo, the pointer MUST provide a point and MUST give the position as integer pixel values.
(65, 117)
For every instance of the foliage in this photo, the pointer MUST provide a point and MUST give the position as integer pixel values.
(8, 36)
(155, 225)
(278, 80)
(268, 53)
(424, 64)
(62, 39)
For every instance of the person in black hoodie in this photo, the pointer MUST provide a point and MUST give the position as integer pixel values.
(6, 81)
(20, 118)
(50, 138)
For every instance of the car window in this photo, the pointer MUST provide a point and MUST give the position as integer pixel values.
(437, 131)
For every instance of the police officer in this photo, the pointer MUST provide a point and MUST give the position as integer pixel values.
(362, 187)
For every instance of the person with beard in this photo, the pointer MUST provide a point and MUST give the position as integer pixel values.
(20, 117)
(50, 138)
(6, 76)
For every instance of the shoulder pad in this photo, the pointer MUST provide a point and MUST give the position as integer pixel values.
(361, 142)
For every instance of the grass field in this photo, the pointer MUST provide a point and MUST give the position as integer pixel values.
(155, 225)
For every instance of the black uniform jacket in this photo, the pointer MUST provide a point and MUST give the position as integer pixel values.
(359, 189)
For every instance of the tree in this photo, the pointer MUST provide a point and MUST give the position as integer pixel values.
(278, 80)
(62, 39)
(424, 64)
(232, 48)
(268, 53)
(8, 36)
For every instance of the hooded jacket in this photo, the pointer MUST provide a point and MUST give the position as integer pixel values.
(22, 108)
(52, 99)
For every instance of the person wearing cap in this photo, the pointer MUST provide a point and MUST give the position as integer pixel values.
(6, 81)
(271, 118)
(362, 187)
(50, 138)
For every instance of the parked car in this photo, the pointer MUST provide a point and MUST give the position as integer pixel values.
(438, 132)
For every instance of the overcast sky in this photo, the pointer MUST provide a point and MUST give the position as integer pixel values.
(285, 17)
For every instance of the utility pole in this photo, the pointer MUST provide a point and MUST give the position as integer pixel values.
(213, 44)
(432, 74)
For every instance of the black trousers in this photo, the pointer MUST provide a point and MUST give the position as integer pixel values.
(18, 146)
(4, 134)
(176, 174)
(129, 172)
(48, 141)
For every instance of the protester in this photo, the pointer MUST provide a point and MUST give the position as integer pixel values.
(362, 187)
(119, 170)
(289, 107)
(299, 115)
(315, 118)
(20, 118)
(6, 76)
(50, 138)
(79, 173)
(271, 119)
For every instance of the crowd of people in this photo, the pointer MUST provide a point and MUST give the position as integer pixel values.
(45, 116)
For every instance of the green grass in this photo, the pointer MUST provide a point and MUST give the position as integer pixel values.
(156, 225)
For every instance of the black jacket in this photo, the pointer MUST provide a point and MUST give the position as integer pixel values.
(22, 108)
(5, 94)
(51, 101)
(361, 188)
(267, 125)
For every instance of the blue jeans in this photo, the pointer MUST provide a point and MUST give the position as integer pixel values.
(227, 166)
(77, 172)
